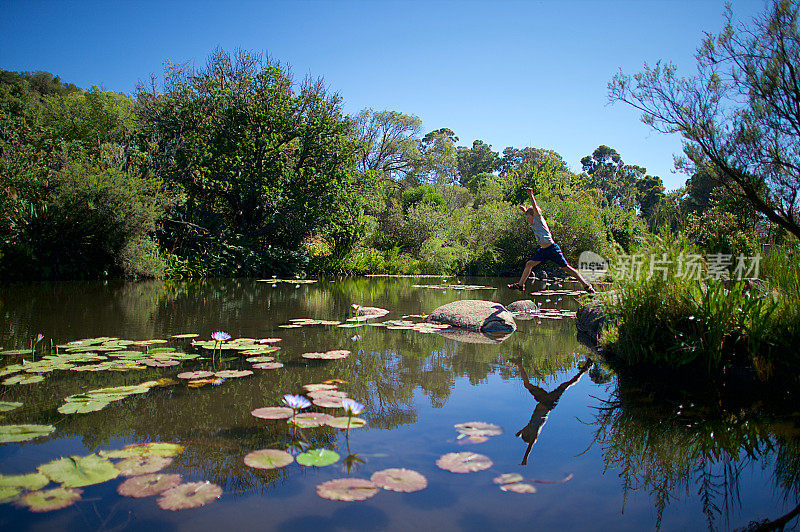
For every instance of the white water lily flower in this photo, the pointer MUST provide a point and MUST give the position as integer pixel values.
(220, 336)
(296, 401)
(352, 407)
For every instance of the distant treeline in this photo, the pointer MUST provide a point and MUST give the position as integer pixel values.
(237, 169)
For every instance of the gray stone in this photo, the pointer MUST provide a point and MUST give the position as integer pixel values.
(373, 312)
(523, 305)
(475, 315)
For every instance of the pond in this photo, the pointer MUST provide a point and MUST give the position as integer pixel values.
(550, 438)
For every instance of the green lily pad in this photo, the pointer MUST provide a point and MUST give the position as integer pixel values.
(8, 370)
(318, 458)
(23, 379)
(189, 495)
(77, 471)
(347, 489)
(145, 449)
(8, 406)
(268, 459)
(48, 500)
(82, 407)
(148, 485)
(18, 433)
(31, 481)
(9, 493)
(260, 359)
(14, 352)
(162, 350)
(342, 422)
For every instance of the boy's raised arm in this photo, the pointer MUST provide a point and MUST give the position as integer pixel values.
(533, 200)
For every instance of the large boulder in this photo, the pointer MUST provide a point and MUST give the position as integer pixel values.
(371, 312)
(475, 315)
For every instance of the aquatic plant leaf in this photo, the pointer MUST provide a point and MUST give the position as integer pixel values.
(18, 433)
(318, 387)
(333, 381)
(181, 356)
(272, 412)
(148, 485)
(479, 428)
(199, 383)
(311, 419)
(318, 457)
(15, 352)
(189, 495)
(268, 459)
(145, 449)
(464, 462)
(158, 363)
(398, 479)
(260, 359)
(8, 406)
(328, 401)
(77, 471)
(464, 439)
(118, 390)
(8, 370)
(347, 489)
(518, 487)
(346, 422)
(82, 407)
(195, 375)
(313, 355)
(9, 493)
(182, 336)
(141, 465)
(268, 365)
(318, 394)
(49, 500)
(508, 478)
(30, 481)
(233, 373)
(292, 326)
(162, 350)
(23, 379)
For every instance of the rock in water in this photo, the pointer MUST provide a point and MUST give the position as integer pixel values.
(475, 315)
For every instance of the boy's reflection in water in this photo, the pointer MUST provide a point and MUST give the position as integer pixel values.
(546, 401)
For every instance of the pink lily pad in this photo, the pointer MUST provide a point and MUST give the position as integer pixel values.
(153, 363)
(464, 462)
(328, 402)
(49, 500)
(189, 495)
(268, 365)
(141, 465)
(326, 393)
(508, 478)
(268, 459)
(337, 353)
(318, 387)
(347, 489)
(148, 485)
(272, 412)
(518, 487)
(195, 375)
(479, 428)
(312, 419)
(397, 479)
(233, 373)
(472, 439)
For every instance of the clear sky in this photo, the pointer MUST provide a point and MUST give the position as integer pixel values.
(521, 73)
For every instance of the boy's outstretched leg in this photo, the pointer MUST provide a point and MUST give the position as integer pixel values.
(577, 275)
(530, 265)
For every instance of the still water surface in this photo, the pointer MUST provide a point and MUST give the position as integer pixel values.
(612, 455)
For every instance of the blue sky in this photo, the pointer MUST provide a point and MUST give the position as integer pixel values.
(522, 73)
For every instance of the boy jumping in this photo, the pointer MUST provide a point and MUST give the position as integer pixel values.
(548, 249)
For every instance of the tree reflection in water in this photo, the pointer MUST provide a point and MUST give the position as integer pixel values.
(661, 443)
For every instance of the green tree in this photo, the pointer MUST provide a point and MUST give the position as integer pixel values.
(473, 161)
(514, 159)
(390, 143)
(438, 149)
(740, 113)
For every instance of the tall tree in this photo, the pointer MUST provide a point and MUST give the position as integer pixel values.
(438, 149)
(740, 113)
(476, 160)
(390, 143)
(514, 159)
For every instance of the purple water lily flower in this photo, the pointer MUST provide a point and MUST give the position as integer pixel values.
(220, 336)
(351, 407)
(296, 402)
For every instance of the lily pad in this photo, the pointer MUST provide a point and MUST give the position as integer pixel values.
(268, 365)
(148, 485)
(8, 406)
(14, 352)
(397, 479)
(154, 363)
(272, 412)
(260, 359)
(328, 401)
(347, 489)
(82, 407)
(346, 422)
(327, 393)
(195, 375)
(203, 382)
(464, 462)
(337, 353)
(518, 487)
(317, 387)
(508, 478)
(23, 379)
(268, 459)
(145, 449)
(318, 458)
(479, 428)
(31, 481)
(311, 419)
(141, 465)
(233, 373)
(18, 433)
(187, 335)
(77, 471)
(48, 500)
(189, 495)
(9, 493)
